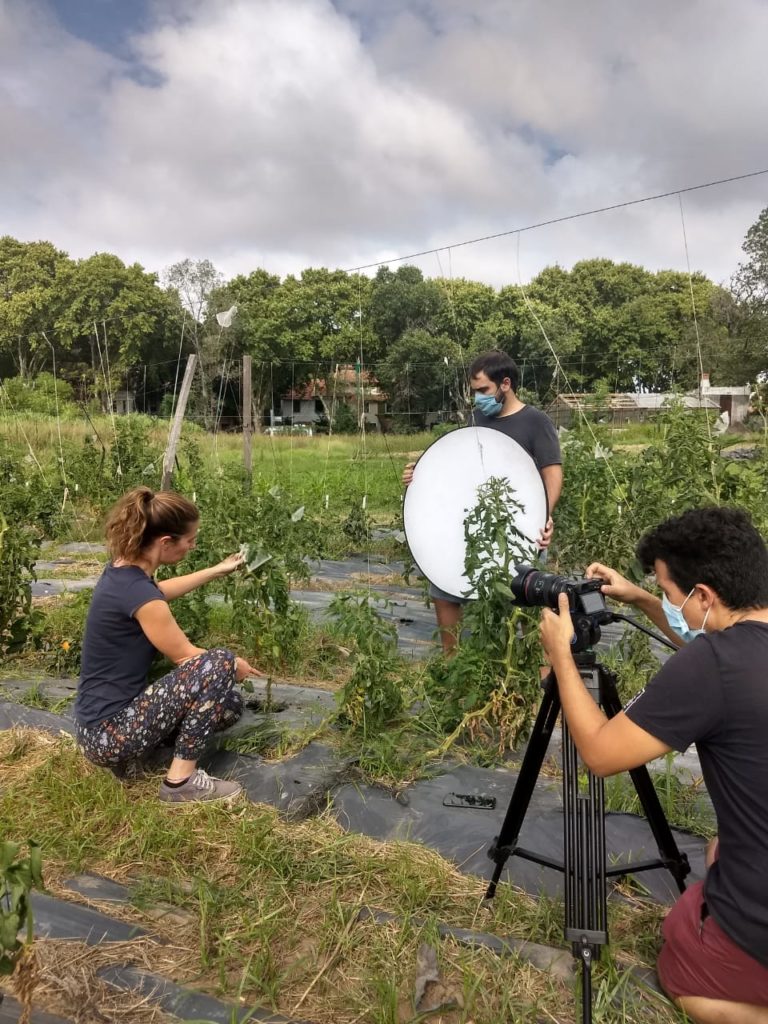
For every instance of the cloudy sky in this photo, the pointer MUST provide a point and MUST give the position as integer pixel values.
(288, 133)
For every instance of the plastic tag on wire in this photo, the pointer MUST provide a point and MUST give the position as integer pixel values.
(225, 319)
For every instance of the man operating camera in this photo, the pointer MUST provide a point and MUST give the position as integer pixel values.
(711, 565)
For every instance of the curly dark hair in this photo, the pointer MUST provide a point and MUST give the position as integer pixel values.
(496, 366)
(714, 545)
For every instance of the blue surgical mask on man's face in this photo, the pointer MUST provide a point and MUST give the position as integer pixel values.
(676, 619)
(489, 405)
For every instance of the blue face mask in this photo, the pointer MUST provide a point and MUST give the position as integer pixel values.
(676, 619)
(489, 405)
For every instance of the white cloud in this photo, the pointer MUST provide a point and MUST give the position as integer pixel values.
(288, 132)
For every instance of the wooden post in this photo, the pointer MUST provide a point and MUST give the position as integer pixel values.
(247, 415)
(170, 452)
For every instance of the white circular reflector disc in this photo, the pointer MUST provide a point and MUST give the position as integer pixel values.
(444, 489)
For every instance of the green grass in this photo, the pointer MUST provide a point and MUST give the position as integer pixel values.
(685, 805)
(307, 466)
(274, 905)
(36, 697)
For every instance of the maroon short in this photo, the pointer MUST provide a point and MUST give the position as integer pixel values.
(698, 958)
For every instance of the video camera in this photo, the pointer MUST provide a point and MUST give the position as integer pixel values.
(536, 589)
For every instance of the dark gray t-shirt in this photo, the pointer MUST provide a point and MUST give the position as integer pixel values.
(714, 693)
(531, 428)
(116, 653)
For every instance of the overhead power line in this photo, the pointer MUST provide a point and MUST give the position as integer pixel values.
(555, 220)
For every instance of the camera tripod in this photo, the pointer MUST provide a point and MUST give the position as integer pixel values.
(584, 860)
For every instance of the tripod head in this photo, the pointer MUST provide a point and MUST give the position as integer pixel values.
(587, 633)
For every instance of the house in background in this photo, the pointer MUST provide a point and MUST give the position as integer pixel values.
(319, 399)
(620, 409)
(733, 400)
(124, 402)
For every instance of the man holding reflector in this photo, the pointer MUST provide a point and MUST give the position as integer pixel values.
(494, 379)
(712, 567)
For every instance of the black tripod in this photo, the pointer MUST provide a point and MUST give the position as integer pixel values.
(583, 867)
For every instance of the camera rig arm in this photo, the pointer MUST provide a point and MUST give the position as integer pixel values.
(618, 617)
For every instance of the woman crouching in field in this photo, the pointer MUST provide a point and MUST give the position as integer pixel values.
(120, 717)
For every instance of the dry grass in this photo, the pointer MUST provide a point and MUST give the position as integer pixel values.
(61, 977)
(354, 581)
(274, 905)
(22, 752)
(74, 569)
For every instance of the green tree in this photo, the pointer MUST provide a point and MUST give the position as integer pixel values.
(304, 327)
(112, 316)
(252, 330)
(44, 394)
(748, 323)
(750, 282)
(468, 305)
(424, 373)
(194, 283)
(320, 316)
(30, 300)
(402, 300)
(620, 323)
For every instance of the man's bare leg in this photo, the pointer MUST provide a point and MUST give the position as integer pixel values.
(720, 1011)
(449, 616)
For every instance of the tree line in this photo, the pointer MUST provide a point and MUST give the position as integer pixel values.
(101, 323)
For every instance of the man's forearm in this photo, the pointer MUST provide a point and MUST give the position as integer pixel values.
(650, 606)
(178, 586)
(584, 717)
(553, 484)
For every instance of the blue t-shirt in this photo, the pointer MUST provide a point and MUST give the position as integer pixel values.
(116, 653)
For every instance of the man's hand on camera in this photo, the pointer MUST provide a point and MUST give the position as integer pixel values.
(620, 589)
(408, 473)
(616, 586)
(556, 630)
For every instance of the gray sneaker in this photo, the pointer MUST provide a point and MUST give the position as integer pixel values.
(200, 787)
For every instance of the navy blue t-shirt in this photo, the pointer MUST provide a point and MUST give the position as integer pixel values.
(713, 693)
(116, 653)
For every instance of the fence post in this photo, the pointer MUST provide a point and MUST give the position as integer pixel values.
(173, 438)
(247, 415)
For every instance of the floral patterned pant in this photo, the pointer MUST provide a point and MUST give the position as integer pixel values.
(195, 700)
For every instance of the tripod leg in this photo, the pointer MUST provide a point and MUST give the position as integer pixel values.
(673, 860)
(586, 985)
(505, 842)
(585, 896)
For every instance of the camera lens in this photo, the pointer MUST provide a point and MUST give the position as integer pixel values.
(542, 589)
(535, 588)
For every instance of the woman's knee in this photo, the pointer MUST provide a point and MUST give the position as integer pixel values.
(212, 673)
(218, 662)
(224, 663)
